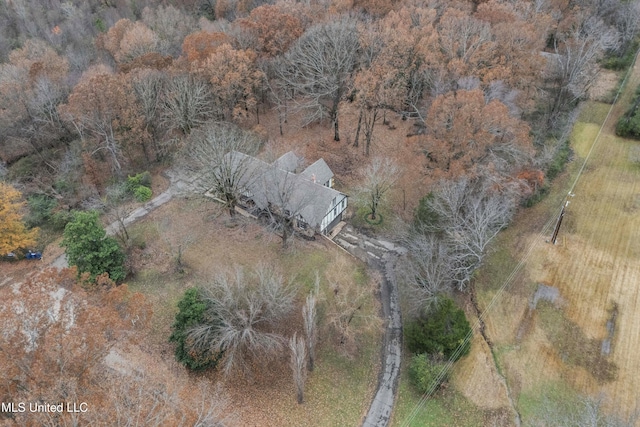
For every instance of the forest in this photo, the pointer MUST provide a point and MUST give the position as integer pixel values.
(441, 117)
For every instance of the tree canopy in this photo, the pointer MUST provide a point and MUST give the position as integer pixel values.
(89, 248)
(443, 331)
(14, 234)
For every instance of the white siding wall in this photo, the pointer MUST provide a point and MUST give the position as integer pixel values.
(337, 207)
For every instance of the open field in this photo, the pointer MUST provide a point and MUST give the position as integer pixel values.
(585, 340)
(582, 335)
(340, 389)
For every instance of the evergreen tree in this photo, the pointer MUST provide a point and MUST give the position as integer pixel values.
(440, 332)
(191, 312)
(90, 249)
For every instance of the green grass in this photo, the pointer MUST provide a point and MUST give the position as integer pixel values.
(339, 383)
(547, 398)
(384, 213)
(594, 112)
(445, 408)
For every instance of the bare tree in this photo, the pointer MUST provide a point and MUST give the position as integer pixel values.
(242, 313)
(220, 154)
(298, 349)
(379, 177)
(472, 214)
(171, 25)
(319, 69)
(426, 271)
(627, 19)
(43, 105)
(148, 87)
(573, 67)
(443, 255)
(310, 318)
(186, 103)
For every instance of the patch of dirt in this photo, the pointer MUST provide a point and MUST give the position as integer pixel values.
(604, 85)
(545, 293)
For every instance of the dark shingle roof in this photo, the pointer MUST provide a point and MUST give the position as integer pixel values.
(271, 184)
(318, 170)
(289, 162)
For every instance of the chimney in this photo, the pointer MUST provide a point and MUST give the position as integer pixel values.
(313, 177)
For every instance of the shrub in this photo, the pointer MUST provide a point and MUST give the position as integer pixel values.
(23, 168)
(143, 178)
(628, 125)
(40, 207)
(440, 332)
(191, 312)
(426, 373)
(142, 193)
(620, 61)
(425, 216)
(559, 161)
(60, 219)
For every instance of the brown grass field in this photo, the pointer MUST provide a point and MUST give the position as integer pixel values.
(555, 350)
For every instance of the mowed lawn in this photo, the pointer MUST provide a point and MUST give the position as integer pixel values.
(586, 341)
(340, 389)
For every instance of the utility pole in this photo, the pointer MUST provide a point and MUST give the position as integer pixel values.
(554, 236)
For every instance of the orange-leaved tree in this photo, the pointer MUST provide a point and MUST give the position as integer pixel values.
(14, 235)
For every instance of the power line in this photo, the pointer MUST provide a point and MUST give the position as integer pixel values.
(544, 231)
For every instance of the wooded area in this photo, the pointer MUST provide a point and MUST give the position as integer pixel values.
(93, 91)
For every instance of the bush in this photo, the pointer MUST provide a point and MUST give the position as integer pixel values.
(425, 216)
(440, 332)
(559, 161)
(628, 125)
(142, 193)
(427, 374)
(143, 178)
(40, 207)
(60, 219)
(617, 62)
(191, 312)
(23, 168)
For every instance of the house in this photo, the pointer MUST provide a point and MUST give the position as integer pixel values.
(308, 195)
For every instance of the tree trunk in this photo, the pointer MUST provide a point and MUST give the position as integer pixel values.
(369, 124)
(285, 235)
(355, 143)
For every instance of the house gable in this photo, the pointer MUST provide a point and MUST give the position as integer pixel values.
(320, 173)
